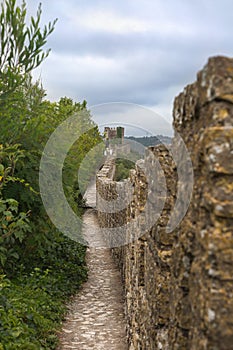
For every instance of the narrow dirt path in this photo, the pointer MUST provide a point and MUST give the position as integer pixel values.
(96, 317)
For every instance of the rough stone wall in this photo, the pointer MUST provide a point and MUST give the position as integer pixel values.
(179, 285)
(112, 212)
(203, 115)
(147, 261)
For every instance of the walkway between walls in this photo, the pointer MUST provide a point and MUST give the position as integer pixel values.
(96, 315)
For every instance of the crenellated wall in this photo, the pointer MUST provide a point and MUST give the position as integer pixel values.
(179, 285)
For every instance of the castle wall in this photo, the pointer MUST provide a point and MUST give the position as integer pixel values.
(179, 284)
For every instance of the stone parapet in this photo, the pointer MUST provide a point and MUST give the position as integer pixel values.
(179, 284)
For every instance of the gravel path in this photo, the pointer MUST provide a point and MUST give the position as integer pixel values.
(96, 317)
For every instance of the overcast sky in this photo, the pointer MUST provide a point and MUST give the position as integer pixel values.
(133, 51)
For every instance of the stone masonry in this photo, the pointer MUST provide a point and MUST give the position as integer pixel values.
(179, 286)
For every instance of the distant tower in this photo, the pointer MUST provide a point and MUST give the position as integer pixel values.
(114, 133)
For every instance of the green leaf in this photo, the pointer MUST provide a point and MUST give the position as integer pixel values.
(15, 255)
(19, 43)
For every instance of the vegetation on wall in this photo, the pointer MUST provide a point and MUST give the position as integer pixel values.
(123, 167)
(39, 267)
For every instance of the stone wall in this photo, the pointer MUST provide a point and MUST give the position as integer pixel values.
(179, 285)
(112, 212)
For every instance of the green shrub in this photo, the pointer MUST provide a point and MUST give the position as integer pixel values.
(39, 267)
(123, 167)
(32, 304)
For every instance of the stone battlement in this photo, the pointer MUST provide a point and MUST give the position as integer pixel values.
(179, 284)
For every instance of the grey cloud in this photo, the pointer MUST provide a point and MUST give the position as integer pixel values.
(138, 87)
(145, 68)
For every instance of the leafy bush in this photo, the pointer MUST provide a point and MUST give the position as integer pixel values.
(32, 304)
(123, 167)
(39, 267)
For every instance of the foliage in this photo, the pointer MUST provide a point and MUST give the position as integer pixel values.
(44, 118)
(14, 224)
(39, 267)
(90, 150)
(21, 46)
(123, 167)
(32, 302)
(32, 305)
(42, 265)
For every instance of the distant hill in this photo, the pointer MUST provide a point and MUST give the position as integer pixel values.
(150, 140)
